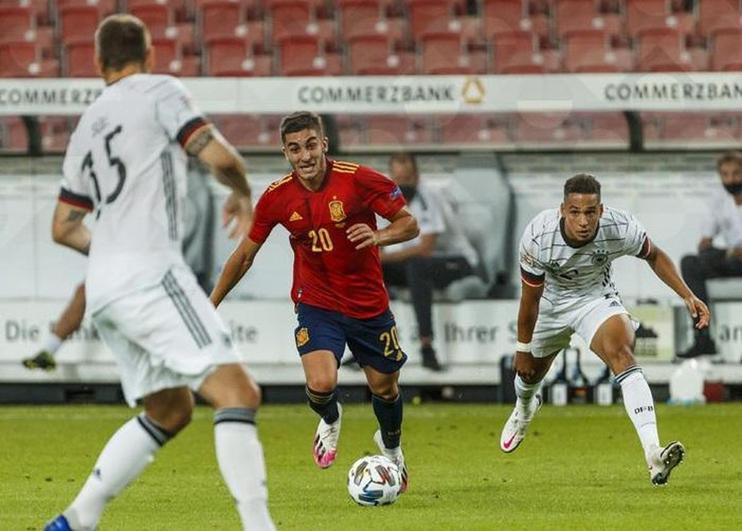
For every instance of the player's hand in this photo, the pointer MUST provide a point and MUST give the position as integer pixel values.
(363, 235)
(237, 212)
(698, 311)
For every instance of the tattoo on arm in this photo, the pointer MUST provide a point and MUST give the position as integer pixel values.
(75, 215)
(201, 140)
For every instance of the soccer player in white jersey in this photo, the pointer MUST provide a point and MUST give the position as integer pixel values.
(565, 260)
(126, 164)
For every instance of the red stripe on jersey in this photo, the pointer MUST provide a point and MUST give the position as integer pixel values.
(190, 127)
(532, 280)
(76, 200)
(646, 248)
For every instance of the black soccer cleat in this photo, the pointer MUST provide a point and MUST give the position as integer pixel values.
(43, 360)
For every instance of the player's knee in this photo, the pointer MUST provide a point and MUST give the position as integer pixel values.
(321, 383)
(386, 390)
(620, 358)
(173, 419)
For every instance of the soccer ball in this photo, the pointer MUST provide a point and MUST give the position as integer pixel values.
(374, 480)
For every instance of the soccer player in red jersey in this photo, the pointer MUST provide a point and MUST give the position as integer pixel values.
(329, 209)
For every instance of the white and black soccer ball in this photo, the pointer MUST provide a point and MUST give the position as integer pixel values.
(374, 480)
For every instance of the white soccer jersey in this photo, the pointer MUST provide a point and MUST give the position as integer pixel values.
(573, 274)
(125, 163)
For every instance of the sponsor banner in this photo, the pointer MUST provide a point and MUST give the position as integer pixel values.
(727, 330)
(680, 91)
(470, 336)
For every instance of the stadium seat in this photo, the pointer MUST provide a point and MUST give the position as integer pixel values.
(17, 23)
(587, 51)
(715, 15)
(644, 15)
(369, 55)
(13, 133)
(604, 127)
(429, 16)
(290, 18)
(300, 56)
(662, 49)
(726, 48)
(242, 131)
(219, 19)
(464, 129)
(576, 15)
(190, 66)
(55, 133)
(359, 18)
(229, 56)
(397, 130)
(18, 59)
(254, 34)
(79, 60)
(78, 23)
(503, 16)
(45, 42)
(167, 56)
(444, 53)
(104, 7)
(546, 128)
(514, 53)
(157, 17)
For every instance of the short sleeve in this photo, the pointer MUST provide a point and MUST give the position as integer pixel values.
(75, 188)
(379, 192)
(636, 242)
(431, 219)
(263, 219)
(175, 110)
(531, 269)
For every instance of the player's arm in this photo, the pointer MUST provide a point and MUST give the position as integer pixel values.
(68, 228)
(229, 168)
(423, 249)
(237, 265)
(402, 227)
(532, 288)
(664, 268)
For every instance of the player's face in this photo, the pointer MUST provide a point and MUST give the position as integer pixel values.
(581, 213)
(305, 151)
(730, 173)
(403, 173)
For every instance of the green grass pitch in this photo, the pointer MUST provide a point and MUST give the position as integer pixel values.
(580, 467)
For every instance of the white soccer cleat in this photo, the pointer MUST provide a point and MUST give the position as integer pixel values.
(395, 457)
(663, 460)
(325, 446)
(515, 428)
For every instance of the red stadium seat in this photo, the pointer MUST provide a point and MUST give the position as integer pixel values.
(18, 59)
(369, 55)
(167, 56)
(587, 51)
(229, 56)
(428, 16)
(464, 129)
(715, 15)
(605, 127)
(190, 66)
(13, 134)
(16, 24)
(299, 55)
(290, 18)
(157, 17)
(242, 131)
(396, 130)
(220, 19)
(727, 45)
(444, 53)
(79, 60)
(78, 23)
(644, 15)
(662, 50)
(547, 128)
(359, 18)
(514, 53)
(503, 16)
(104, 7)
(576, 16)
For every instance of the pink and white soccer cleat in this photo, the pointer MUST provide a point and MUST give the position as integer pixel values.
(395, 456)
(324, 448)
(515, 428)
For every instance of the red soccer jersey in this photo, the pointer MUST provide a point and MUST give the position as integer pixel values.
(328, 271)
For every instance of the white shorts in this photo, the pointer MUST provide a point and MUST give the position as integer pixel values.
(554, 329)
(165, 336)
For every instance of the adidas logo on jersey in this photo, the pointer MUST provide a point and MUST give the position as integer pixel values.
(295, 216)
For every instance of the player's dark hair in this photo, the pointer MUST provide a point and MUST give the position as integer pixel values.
(121, 40)
(729, 156)
(300, 120)
(403, 157)
(582, 183)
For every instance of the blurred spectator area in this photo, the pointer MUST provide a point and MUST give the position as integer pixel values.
(503, 132)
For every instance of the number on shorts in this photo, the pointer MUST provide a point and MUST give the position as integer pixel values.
(391, 344)
(321, 240)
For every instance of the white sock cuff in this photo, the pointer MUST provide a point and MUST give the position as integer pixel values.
(525, 390)
(630, 375)
(53, 342)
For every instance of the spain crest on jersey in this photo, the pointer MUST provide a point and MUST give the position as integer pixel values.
(337, 213)
(302, 336)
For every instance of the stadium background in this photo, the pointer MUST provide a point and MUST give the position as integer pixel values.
(501, 100)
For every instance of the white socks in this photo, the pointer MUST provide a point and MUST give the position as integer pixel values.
(124, 457)
(525, 392)
(637, 399)
(240, 457)
(52, 344)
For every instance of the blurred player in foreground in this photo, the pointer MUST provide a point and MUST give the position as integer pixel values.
(126, 163)
(329, 209)
(565, 259)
